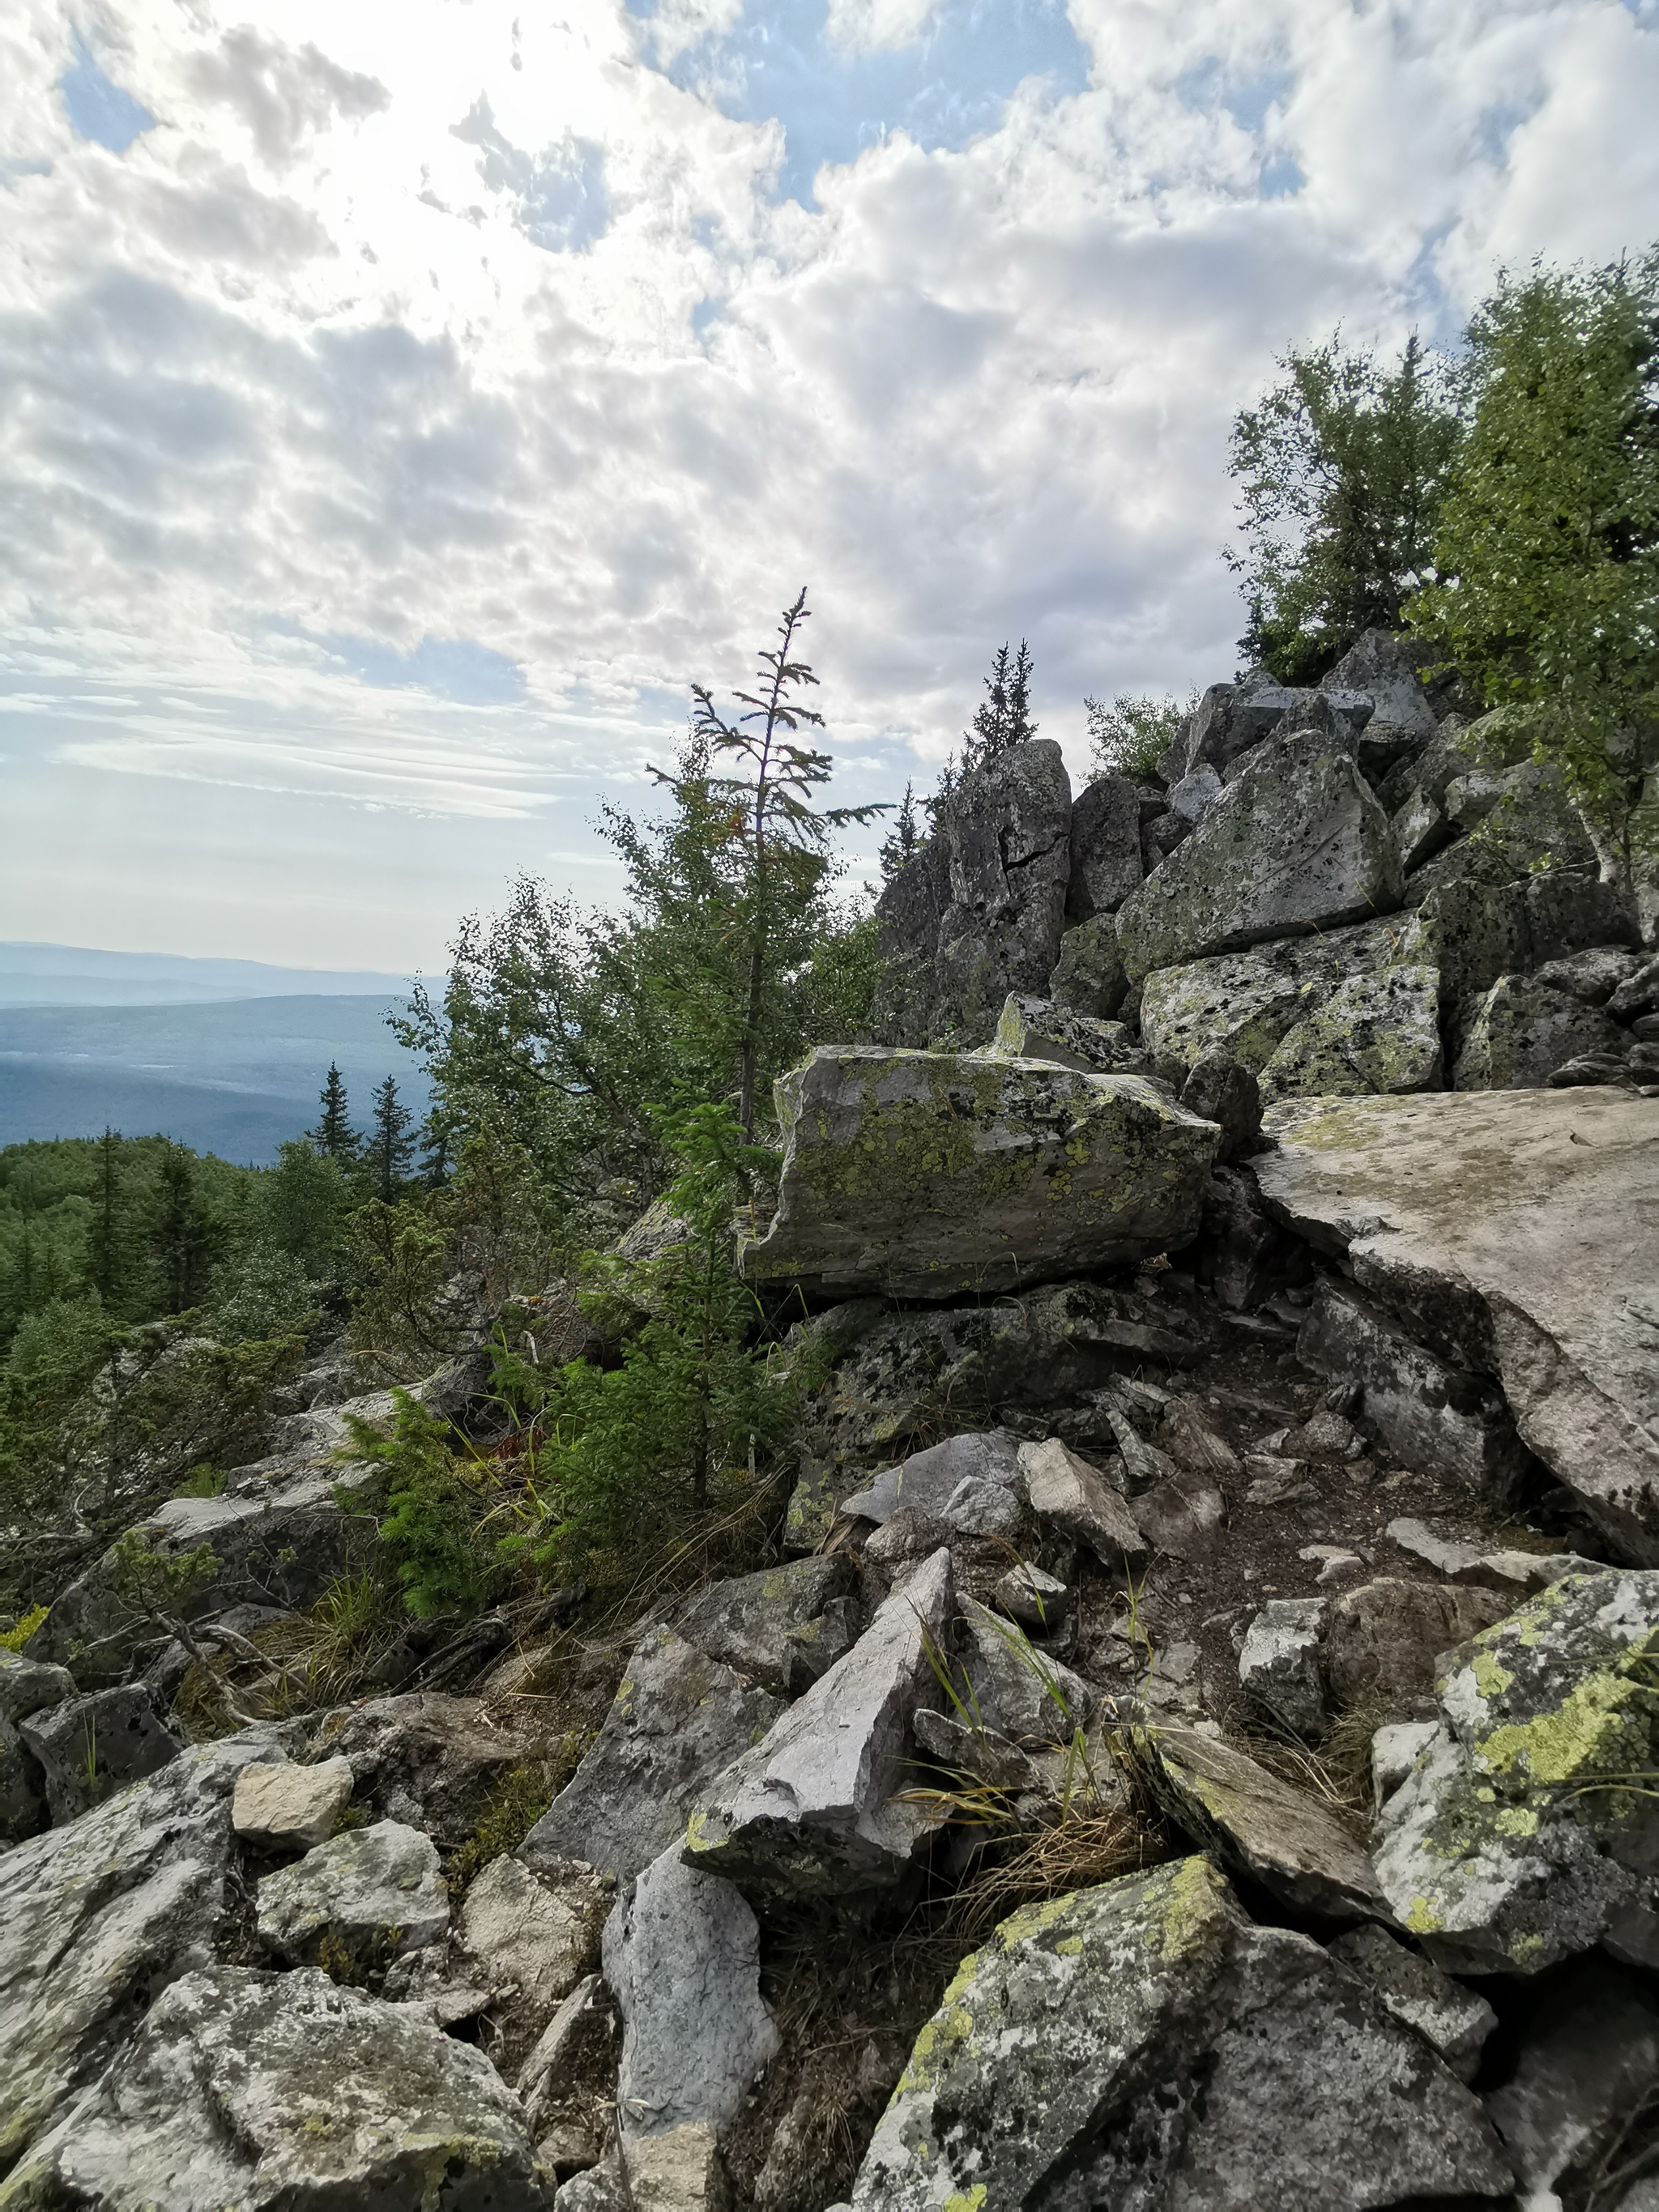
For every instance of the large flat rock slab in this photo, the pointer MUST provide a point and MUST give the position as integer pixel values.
(926, 1175)
(1516, 1233)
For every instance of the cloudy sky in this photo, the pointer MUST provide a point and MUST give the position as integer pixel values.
(400, 406)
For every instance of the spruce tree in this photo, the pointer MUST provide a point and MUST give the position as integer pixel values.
(901, 847)
(109, 1247)
(334, 1135)
(391, 1148)
(1004, 717)
(184, 1239)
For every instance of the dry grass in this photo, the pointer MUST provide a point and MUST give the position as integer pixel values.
(1077, 1853)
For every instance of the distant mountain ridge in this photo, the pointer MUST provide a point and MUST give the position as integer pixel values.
(36, 974)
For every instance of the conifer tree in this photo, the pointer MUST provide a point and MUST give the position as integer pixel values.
(904, 842)
(1003, 720)
(184, 1239)
(109, 1246)
(390, 1148)
(334, 1135)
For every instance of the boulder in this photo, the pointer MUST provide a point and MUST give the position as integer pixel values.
(1297, 842)
(284, 2093)
(1182, 1516)
(1377, 1033)
(1265, 1829)
(908, 916)
(1191, 1439)
(1433, 1417)
(1521, 1031)
(1088, 976)
(29, 1686)
(23, 1807)
(1395, 1749)
(1419, 830)
(1383, 1640)
(1144, 2043)
(1524, 1832)
(811, 1812)
(1638, 994)
(1038, 1600)
(780, 1628)
(928, 1479)
(680, 2171)
(1516, 1234)
(1587, 2071)
(534, 1933)
(1388, 668)
(1523, 815)
(678, 1719)
(1222, 1089)
(924, 1175)
(1282, 1661)
(290, 1807)
(102, 1915)
(1105, 850)
(1454, 2020)
(1078, 1500)
(1591, 976)
(368, 1894)
(1033, 1029)
(1007, 1684)
(89, 1746)
(431, 1761)
(1196, 792)
(682, 1956)
(1229, 720)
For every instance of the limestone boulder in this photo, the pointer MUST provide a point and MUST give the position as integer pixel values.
(530, 1938)
(1105, 848)
(290, 1807)
(1521, 1031)
(1524, 1832)
(814, 1810)
(1297, 842)
(1088, 977)
(285, 2093)
(1143, 2043)
(369, 1893)
(1036, 1028)
(679, 1720)
(1377, 1033)
(928, 1175)
(928, 1480)
(1516, 1235)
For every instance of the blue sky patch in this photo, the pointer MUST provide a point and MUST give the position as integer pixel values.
(450, 667)
(562, 203)
(99, 109)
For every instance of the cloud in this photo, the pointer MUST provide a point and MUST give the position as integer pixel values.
(479, 371)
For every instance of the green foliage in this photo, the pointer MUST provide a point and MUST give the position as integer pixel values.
(13, 1639)
(334, 1136)
(434, 1505)
(1341, 468)
(187, 1237)
(1549, 537)
(154, 1585)
(905, 839)
(1003, 718)
(1130, 737)
(388, 1153)
(514, 1807)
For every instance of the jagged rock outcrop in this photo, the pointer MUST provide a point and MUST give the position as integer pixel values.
(928, 1175)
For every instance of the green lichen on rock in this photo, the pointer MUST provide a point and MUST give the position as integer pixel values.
(1521, 1031)
(1376, 1034)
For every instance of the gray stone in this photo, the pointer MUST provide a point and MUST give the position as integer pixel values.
(970, 1748)
(431, 1761)
(1587, 2068)
(568, 2081)
(1395, 1749)
(1570, 913)
(904, 1537)
(781, 1627)
(290, 1807)
(1420, 830)
(1143, 2043)
(1433, 1417)
(680, 2171)
(928, 1479)
(1591, 976)
(1160, 837)
(1442, 757)
(1008, 1685)
(1378, 1034)
(536, 1934)
(1088, 977)
(1006, 835)
(1076, 1498)
(1282, 1664)
(1262, 1827)
(1181, 1516)
(1637, 995)
(1105, 850)
(1297, 842)
(1384, 1640)
(1341, 714)
(1229, 721)
(1033, 1029)
(28, 1685)
(678, 1719)
(1511, 1844)
(284, 2093)
(23, 1807)
(372, 1891)
(1222, 1089)
(1517, 1234)
(811, 1811)
(928, 1175)
(1193, 1442)
(1523, 815)
(1387, 667)
(100, 1916)
(681, 1956)
(1456, 2021)
(1035, 1599)
(1196, 792)
(1243, 1254)
(1522, 1030)
(89, 1746)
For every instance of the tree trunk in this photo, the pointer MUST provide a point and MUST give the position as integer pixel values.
(1612, 852)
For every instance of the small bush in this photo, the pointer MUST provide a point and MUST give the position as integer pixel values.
(1131, 736)
(436, 1503)
(513, 1809)
(13, 1639)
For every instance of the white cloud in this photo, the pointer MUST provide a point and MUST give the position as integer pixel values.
(471, 326)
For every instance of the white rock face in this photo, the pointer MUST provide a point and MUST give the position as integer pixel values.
(283, 2092)
(1281, 1662)
(373, 1889)
(929, 1479)
(276, 1806)
(1517, 1234)
(924, 1175)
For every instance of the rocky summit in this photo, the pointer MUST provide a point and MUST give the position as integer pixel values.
(1165, 1719)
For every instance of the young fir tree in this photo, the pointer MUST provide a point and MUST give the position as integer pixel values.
(184, 1239)
(391, 1148)
(110, 1241)
(334, 1135)
(900, 847)
(1003, 720)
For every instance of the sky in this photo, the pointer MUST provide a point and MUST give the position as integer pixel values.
(400, 408)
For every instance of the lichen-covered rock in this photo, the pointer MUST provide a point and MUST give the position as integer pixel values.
(1143, 2043)
(1591, 976)
(1383, 1639)
(1026, 1694)
(1525, 1831)
(678, 1719)
(89, 1746)
(1222, 1089)
(1088, 977)
(1570, 910)
(1297, 842)
(29, 1686)
(1454, 2020)
(1105, 850)
(1523, 815)
(1420, 830)
(23, 1807)
(1388, 668)
(681, 1956)
(283, 2092)
(1263, 1827)
(371, 1893)
(812, 1812)
(98, 1916)
(1282, 1661)
(1517, 1234)
(1034, 1028)
(1376, 1034)
(924, 1175)
(1521, 1031)
(780, 1628)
